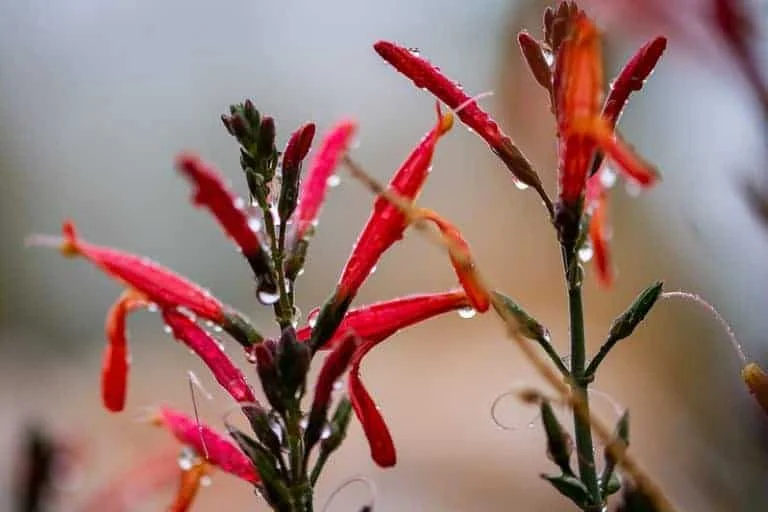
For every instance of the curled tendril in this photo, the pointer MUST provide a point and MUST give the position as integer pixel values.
(699, 301)
(369, 506)
(524, 393)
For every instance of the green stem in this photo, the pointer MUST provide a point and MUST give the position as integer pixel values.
(283, 307)
(321, 460)
(582, 429)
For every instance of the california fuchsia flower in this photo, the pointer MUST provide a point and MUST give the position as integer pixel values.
(295, 152)
(386, 224)
(157, 284)
(211, 192)
(577, 91)
(375, 428)
(425, 75)
(382, 319)
(313, 188)
(208, 444)
(226, 373)
(114, 371)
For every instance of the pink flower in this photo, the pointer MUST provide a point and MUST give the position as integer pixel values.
(215, 449)
(209, 350)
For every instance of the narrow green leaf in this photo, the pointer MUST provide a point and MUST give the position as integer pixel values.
(570, 487)
(559, 444)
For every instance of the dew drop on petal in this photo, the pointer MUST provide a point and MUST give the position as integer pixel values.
(415, 52)
(333, 180)
(254, 224)
(167, 329)
(607, 177)
(373, 269)
(468, 312)
(312, 317)
(338, 384)
(153, 308)
(586, 252)
(239, 203)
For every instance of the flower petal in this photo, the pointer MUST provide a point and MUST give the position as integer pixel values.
(209, 350)
(313, 188)
(156, 283)
(379, 438)
(380, 320)
(425, 75)
(208, 444)
(114, 370)
(189, 483)
(461, 259)
(386, 224)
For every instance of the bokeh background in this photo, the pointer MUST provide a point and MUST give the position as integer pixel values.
(97, 97)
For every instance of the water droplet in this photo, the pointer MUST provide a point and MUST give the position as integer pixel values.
(239, 203)
(326, 432)
(373, 269)
(251, 356)
(338, 384)
(217, 328)
(167, 329)
(312, 317)
(153, 308)
(267, 297)
(467, 312)
(304, 423)
(519, 184)
(607, 177)
(187, 459)
(254, 224)
(415, 52)
(300, 272)
(586, 252)
(549, 58)
(333, 180)
(205, 481)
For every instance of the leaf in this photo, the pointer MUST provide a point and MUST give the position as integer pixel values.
(529, 326)
(570, 487)
(559, 444)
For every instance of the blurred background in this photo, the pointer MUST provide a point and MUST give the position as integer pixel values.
(96, 98)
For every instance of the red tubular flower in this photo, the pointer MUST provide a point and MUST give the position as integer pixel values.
(207, 443)
(223, 369)
(154, 282)
(376, 431)
(578, 86)
(632, 77)
(298, 146)
(114, 371)
(380, 320)
(333, 367)
(313, 188)
(596, 197)
(386, 224)
(462, 263)
(425, 75)
(212, 192)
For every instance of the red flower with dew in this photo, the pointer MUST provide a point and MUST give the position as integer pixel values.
(382, 319)
(312, 194)
(386, 224)
(374, 324)
(114, 370)
(208, 444)
(425, 75)
(209, 350)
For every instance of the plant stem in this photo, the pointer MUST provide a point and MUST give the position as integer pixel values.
(582, 429)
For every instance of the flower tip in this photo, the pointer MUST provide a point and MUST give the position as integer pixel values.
(757, 382)
(69, 244)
